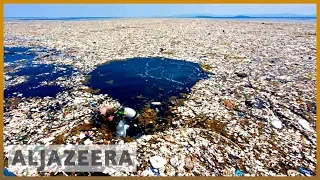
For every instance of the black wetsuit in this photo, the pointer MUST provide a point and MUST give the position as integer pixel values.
(100, 120)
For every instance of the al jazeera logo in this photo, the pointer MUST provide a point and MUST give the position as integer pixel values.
(73, 158)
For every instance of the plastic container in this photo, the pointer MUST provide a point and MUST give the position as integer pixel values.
(121, 130)
(129, 112)
(6, 172)
(305, 171)
(238, 172)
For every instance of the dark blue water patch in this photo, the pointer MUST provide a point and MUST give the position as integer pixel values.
(16, 49)
(17, 53)
(28, 92)
(35, 70)
(13, 54)
(135, 82)
(21, 60)
(37, 74)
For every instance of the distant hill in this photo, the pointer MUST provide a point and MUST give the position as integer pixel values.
(241, 16)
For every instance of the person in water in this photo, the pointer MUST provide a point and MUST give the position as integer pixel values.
(107, 113)
(106, 116)
(121, 121)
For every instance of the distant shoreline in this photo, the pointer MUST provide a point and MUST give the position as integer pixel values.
(209, 17)
(239, 18)
(248, 17)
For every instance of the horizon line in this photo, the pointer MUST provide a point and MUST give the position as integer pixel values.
(174, 16)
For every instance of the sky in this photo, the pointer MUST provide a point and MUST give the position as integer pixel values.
(151, 10)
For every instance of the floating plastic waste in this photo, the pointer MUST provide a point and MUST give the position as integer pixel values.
(82, 135)
(240, 114)
(6, 172)
(305, 171)
(78, 100)
(88, 142)
(121, 130)
(291, 172)
(156, 103)
(238, 172)
(89, 134)
(305, 124)
(262, 82)
(93, 104)
(155, 171)
(276, 123)
(157, 161)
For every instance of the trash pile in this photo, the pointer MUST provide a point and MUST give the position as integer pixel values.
(254, 116)
(49, 116)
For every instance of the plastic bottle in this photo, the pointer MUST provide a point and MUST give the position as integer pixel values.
(305, 171)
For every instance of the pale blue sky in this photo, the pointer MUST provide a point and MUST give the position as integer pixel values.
(143, 10)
